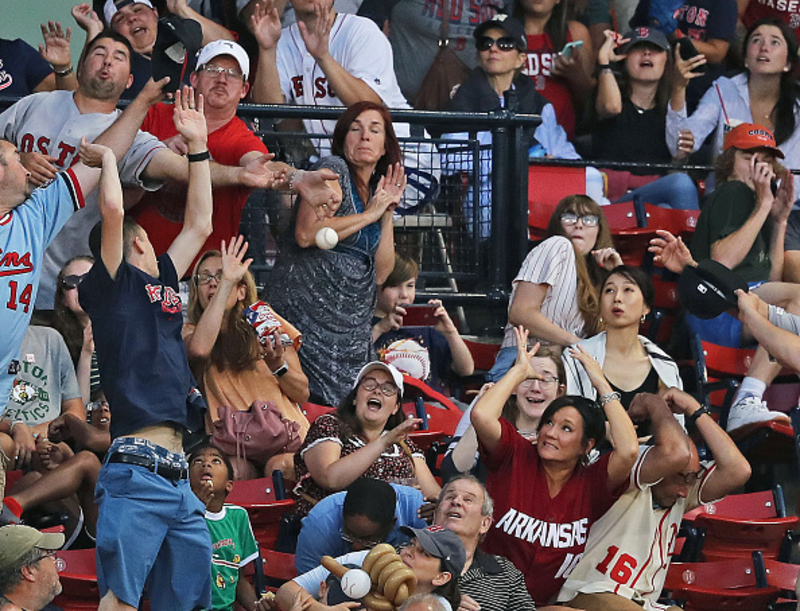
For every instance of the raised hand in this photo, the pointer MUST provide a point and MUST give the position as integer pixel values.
(272, 351)
(94, 155)
(314, 188)
(685, 69)
(395, 182)
(680, 402)
(401, 431)
(592, 367)
(608, 50)
(607, 258)
(265, 24)
(55, 50)
(671, 252)
(258, 174)
(153, 92)
(784, 198)
(41, 167)
(751, 304)
(188, 116)
(524, 356)
(234, 265)
(177, 7)
(87, 19)
(685, 144)
(316, 36)
(762, 175)
(444, 324)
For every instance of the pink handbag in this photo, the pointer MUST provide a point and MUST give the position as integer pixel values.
(257, 434)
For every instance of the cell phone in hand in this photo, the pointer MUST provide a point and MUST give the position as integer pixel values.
(419, 315)
(687, 51)
(570, 48)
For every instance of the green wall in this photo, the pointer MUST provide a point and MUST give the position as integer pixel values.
(21, 19)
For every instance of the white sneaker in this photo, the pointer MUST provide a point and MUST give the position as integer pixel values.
(749, 410)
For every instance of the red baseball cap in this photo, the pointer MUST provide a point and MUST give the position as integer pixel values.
(749, 136)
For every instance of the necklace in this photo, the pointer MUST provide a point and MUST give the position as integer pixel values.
(11, 602)
(639, 109)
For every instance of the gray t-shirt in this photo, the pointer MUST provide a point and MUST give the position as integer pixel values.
(45, 378)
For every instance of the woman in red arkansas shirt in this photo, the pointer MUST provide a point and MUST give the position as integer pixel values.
(547, 496)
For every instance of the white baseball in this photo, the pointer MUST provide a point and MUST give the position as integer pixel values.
(326, 238)
(356, 583)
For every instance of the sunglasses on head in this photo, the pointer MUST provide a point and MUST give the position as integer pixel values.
(72, 281)
(506, 43)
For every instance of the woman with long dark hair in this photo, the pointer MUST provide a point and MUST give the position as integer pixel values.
(330, 294)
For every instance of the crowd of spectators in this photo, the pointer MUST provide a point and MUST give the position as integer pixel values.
(111, 221)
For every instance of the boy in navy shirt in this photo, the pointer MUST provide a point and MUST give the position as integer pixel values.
(150, 526)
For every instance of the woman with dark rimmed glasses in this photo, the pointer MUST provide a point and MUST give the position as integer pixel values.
(555, 295)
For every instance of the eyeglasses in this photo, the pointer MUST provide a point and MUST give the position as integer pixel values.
(72, 281)
(588, 220)
(548, 382)
(387, 388)
(47, 554)
(216, 71)
(96, 405)
(506, 43)
(205, 278)
(366, 543)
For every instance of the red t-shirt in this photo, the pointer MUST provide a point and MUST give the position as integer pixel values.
(543, 537)
(541, 56)
(160, 212)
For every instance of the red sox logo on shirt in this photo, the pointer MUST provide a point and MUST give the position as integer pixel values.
(321, 88)
(693, 15)
(66, 152)
(170, 300)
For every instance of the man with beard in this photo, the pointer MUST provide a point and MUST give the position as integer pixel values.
(47, 128)
(28, 573)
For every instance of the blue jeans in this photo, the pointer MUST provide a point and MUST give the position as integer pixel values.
(676, 191)
(504, 361)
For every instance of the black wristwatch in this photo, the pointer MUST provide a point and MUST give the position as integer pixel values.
(695, 415)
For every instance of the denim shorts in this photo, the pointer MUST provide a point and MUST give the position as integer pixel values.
(151, 531)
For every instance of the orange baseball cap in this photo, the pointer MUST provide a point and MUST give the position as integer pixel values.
(748, 136)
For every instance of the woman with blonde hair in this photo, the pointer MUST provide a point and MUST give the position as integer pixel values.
(232, 366)
(555, 294)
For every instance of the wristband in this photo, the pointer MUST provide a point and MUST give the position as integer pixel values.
(281, 371)
(600, 68)
(695, 415)
(193, 157)
(608, 397)
(292, 178)
(63, 73)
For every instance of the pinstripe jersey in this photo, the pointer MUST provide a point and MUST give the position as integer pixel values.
(553, 263)
(25, 232)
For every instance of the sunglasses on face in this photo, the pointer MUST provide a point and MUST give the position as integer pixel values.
(506, 43)
(72, 281)
(588, 220)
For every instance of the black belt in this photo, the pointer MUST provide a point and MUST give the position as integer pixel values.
(164, 470)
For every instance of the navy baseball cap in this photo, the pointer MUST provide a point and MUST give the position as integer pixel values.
(708, 290)
(175, 51)
(442, 543)
(649, 35)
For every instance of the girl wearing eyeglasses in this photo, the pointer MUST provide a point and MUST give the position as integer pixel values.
(631, 363)
(523, 408)
(230, 364)
(555, 295)
(366, 437)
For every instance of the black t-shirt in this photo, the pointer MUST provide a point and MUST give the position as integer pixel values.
(137, 323)
(633, 135)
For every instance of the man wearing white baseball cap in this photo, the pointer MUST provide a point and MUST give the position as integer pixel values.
(220, 77)
(28, 573)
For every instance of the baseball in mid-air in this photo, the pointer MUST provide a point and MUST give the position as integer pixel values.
(355, 582)
(326, 238)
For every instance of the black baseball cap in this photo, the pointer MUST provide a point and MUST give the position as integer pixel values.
(645, 35)
(510, 25)
(708, 290)
(442, 543)
(175, 50)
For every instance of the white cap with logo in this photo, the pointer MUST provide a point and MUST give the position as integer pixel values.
(224, 47)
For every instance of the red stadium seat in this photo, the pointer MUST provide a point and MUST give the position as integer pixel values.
(728, 537)
(548, 185)
(78, 574)
(257, 496)
(765, 504)
(312, 410)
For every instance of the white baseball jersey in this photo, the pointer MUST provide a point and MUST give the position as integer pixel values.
(359, 46)
(628, 549)
(50, 123)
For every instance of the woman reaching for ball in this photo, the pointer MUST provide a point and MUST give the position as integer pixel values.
(330, 293)
(435, 556)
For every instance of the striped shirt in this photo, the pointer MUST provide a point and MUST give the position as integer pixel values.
(495, 584)
(553, 263)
